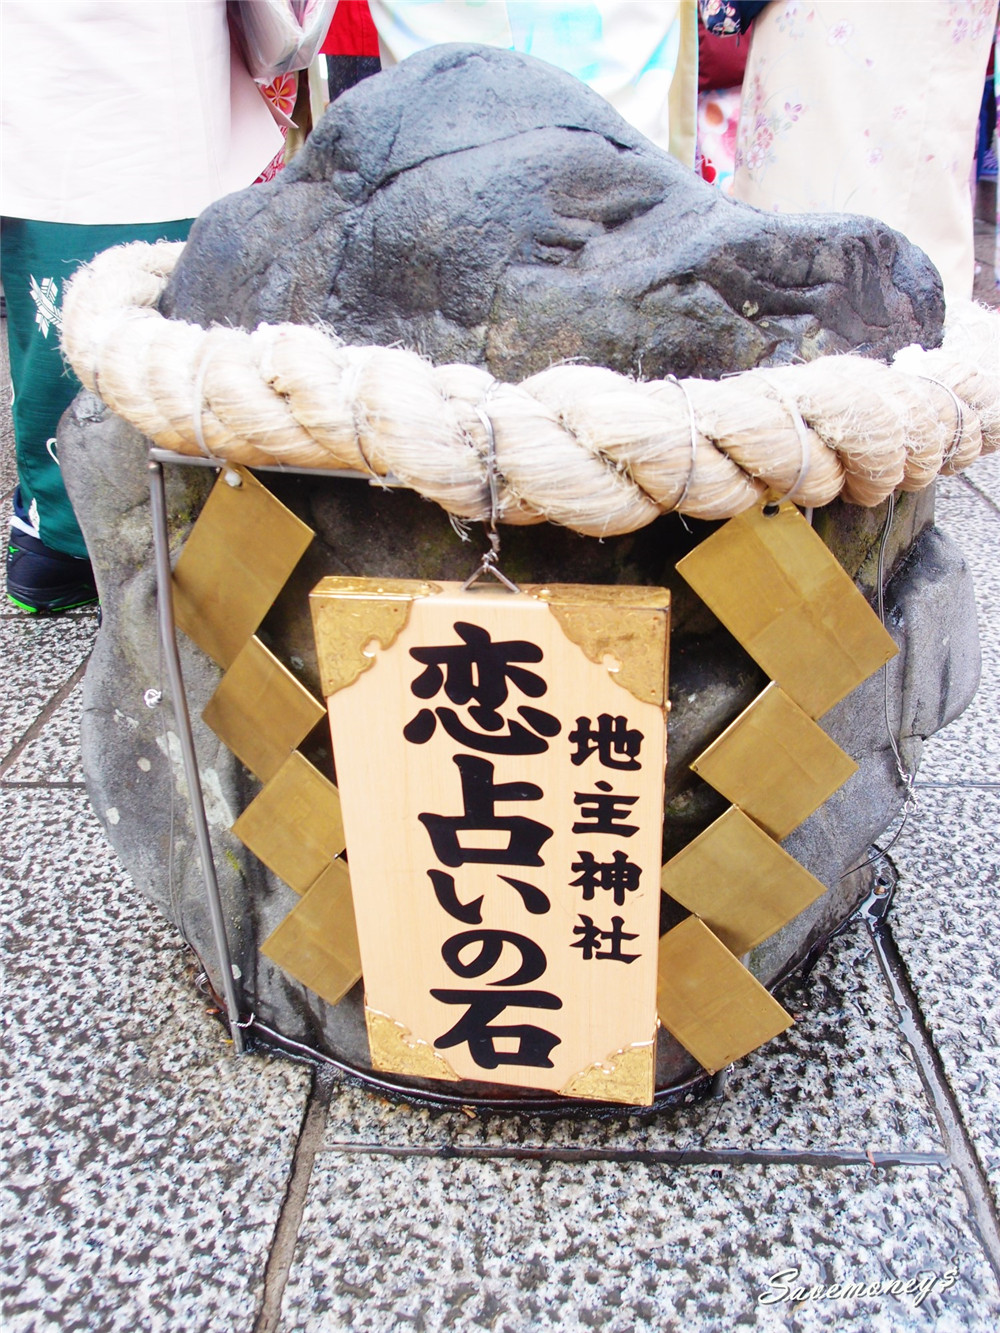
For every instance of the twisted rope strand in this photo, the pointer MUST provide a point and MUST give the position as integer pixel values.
(577, 445)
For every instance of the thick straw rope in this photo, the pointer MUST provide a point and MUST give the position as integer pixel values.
(576, 445)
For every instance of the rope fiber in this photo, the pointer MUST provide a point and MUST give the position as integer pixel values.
(576, 445)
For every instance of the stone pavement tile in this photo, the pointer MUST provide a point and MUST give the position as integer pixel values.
(969, 749)
(146, 1165)
(965, 511)
(417, 1242)
(38, 655)
(54, 754)
(946, 920)
(802, 1092)
(799, 1093)
(984, 474)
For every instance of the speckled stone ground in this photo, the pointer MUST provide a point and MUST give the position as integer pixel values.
(154, 1182)
(949, 852)
(389, 1243)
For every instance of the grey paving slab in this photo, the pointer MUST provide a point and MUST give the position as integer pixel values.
(146, 1165)
(800, 1093)
(984, 474)
(421, 1243)
(946, 921)
(39, 655)
(969, 749)
(803, 1092)
(54, 754)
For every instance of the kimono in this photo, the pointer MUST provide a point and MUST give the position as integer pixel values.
(641, 56)
(869, 108)
(120, 121)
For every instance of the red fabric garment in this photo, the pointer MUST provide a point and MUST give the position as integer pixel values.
(721, 60)
(352, 32)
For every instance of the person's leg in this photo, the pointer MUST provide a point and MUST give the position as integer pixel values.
(344, 72)
(47, 565)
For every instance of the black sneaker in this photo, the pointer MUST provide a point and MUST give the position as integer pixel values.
(40, 579)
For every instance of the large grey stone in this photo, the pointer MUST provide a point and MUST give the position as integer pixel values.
(498, 151)
(969, 750)
(485, 207)
(930, 609)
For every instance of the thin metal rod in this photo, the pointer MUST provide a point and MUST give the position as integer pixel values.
(172, 661)
(553, 1104)
(347, 474)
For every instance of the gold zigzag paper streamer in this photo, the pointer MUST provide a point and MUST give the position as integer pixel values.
(294, 824)
(260, 711)
(775, 763)
(793, 607)
(317, 943)
(739, 882)
(709, 1001)
(800, 616)
(238, 557)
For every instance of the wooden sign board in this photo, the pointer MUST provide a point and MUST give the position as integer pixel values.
(502, 794)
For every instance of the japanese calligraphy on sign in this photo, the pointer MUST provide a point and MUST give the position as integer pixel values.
(500, 759)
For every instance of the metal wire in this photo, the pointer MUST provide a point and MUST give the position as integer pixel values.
(168, 639)
(694, 443)
(489, 564)
(905, 776)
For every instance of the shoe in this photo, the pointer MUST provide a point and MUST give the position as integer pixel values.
(40, 579)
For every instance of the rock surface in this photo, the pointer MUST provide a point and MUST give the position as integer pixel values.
(541, 227)
(484, 207)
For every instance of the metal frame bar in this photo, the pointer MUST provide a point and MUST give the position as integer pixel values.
(347, 474)
(168, 639)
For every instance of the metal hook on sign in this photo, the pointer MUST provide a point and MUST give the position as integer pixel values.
(489, 565)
